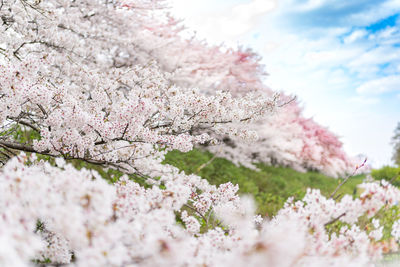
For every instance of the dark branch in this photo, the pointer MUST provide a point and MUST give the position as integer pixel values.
(335, 219)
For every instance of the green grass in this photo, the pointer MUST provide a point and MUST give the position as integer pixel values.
(388, 173)
(270, 186)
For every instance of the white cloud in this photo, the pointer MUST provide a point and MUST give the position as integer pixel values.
(333, 56)
(378, 10)
(380, 85)
(241, 18)
(363, 100)
(248, 11)
(227, 24)
(355, 35)
(270, 47)
(309, 5)
(388, 32)
(374, 62)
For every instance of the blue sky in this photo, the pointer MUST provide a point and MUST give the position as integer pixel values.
(341, 58)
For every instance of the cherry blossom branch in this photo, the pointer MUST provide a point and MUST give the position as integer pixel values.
(197, 212)
(27, 148)
(335, 219)
(347, 178)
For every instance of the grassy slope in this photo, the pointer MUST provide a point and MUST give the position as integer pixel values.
(270, 186)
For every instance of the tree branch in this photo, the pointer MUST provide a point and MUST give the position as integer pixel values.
(335, 219)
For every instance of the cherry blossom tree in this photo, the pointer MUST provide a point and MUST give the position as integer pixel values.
(61, 215)
(71, 87)
(287, 138)
(89, 82)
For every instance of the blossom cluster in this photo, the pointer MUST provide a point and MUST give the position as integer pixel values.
(104, 35)
(70, 86)
(106, 124)
(49, 213)
(287, 138)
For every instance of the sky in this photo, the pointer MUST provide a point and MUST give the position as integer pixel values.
(341, 58)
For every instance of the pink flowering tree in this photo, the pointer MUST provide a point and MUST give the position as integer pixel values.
(287, 138)
(73, 89)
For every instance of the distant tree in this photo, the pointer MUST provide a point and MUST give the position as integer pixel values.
(396, 143)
